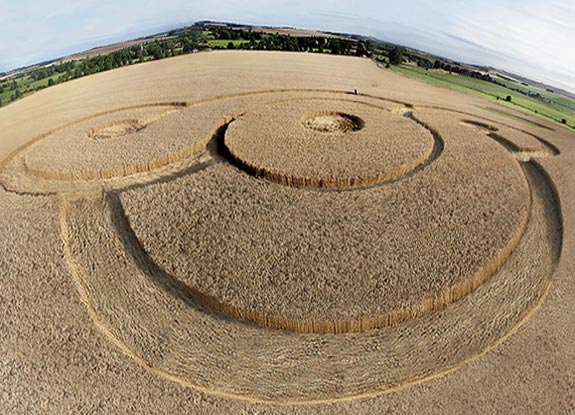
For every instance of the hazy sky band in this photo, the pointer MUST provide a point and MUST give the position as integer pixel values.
(532, 37)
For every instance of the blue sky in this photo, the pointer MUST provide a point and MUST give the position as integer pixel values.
(535, 38)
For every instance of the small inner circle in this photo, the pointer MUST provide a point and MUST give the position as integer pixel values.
(116, 129)
(330, 122)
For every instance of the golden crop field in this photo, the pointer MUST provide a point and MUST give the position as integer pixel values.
(267, 232)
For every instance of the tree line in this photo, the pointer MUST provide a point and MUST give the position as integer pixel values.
(266, 41)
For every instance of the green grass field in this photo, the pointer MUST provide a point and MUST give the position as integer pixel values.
(551, 107)
(223, 43)
(207, 35)
(515, 117)
(27, 85)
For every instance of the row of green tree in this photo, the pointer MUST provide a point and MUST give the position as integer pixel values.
(396, 56)
(235, 34)
(258, 41)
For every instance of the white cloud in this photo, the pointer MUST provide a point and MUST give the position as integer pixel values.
(534, 40)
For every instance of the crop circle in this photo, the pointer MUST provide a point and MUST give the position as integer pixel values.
(292, 143)
(332, 121)
(298, 239)
(382, 259)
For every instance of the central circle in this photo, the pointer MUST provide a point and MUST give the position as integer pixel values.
(330, 122)
(317, 143)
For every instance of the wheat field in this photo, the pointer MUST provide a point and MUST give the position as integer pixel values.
(333, 150)
(264, 232)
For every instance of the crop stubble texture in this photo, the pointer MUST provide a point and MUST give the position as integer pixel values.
(424, 235)
(312, 257)
(310, 143)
